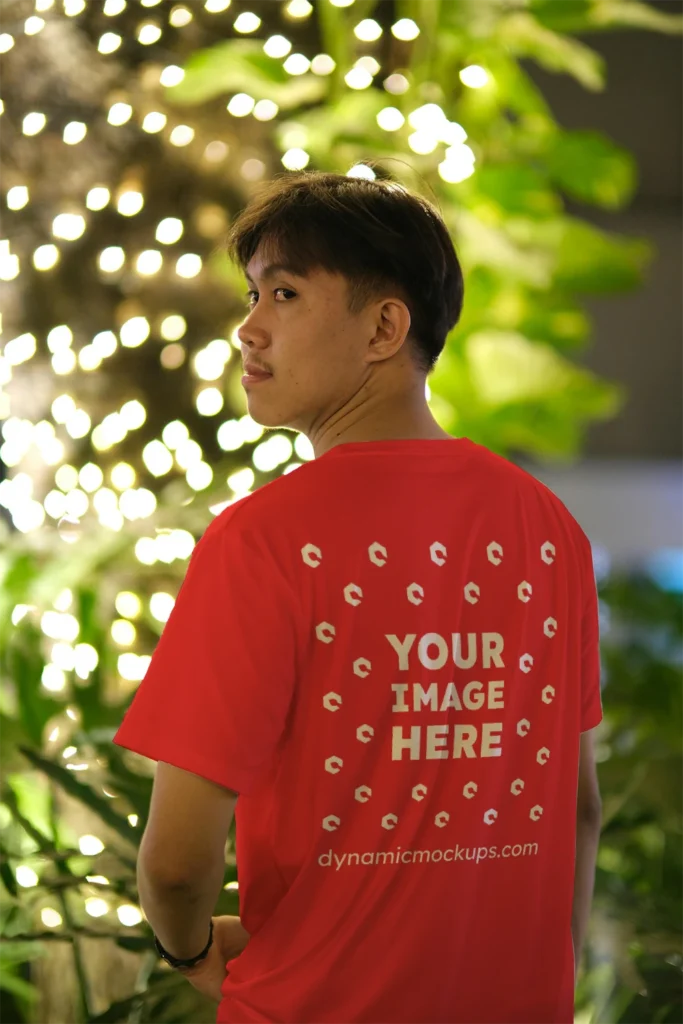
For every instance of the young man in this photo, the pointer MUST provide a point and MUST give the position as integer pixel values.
(390, 654)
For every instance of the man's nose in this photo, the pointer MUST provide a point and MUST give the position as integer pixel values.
(251, 331)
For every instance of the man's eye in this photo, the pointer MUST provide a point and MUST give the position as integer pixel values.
(252, 297)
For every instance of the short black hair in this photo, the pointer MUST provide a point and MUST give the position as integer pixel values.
(376, 233)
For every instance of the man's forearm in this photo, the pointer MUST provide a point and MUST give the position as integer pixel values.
(587, 841)
(180, 915)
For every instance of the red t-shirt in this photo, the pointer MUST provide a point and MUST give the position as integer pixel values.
(389, 653)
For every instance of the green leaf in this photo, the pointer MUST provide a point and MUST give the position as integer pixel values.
(240, 65)
(28, 801)
(539, 429)
(557, 321)
(484, 245)
(631, 14)
(18, 570)
(506, 367)
(25, 665)
(81, 791)
(17, 986)
(562, 15)
(594, 262)
(590, 167)
(601, 15)
(19, 951)
(518, 188)
(585, 259)
(518, 90)
(525, 37)
(13, 734)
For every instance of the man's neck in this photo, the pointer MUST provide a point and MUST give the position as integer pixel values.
(406, 429)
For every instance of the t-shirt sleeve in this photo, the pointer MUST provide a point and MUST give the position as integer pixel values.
(591, 704)
(217, 693)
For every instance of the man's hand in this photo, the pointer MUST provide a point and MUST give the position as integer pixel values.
(229, 939)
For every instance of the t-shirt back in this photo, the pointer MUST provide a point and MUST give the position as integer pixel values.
(390, 654)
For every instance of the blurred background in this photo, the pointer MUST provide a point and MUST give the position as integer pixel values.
(548, 132)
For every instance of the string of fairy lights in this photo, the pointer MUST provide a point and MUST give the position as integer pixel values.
(29, 447)
(431, 128)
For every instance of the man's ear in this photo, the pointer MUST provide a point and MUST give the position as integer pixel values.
(391, 321)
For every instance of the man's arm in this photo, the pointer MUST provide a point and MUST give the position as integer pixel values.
(180, 914)
(181, 861)
(588, 824)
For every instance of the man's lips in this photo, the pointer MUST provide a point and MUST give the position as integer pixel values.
(255, 376)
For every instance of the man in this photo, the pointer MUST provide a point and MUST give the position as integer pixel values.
(390, 654)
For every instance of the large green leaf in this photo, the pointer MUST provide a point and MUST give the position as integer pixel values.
(518, 91)
(589, 166)
(518, 188)
(610, 14)
(481, 244)
(508, 306)
(240, 65)
(602, 15)
(562, 15)
(567, 327)
(594, 262)
(585, 259)
(523, 36)
(507, 367)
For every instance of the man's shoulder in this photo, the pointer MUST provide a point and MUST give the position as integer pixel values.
(530, 484)
(259, 509)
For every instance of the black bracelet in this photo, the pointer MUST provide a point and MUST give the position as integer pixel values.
(174, 961)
